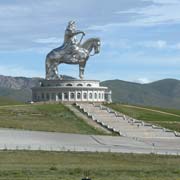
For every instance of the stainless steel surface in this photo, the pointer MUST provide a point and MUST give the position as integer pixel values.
(71, 52)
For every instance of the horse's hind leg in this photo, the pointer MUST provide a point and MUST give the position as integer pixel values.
(48, 65)
(51, 69)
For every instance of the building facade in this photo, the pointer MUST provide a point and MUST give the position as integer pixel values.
(71, 91)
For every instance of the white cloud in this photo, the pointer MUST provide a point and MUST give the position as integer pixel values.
(176, 46)
(142, 80)
(130, 45)
(159, 44)
(120, 44)
(165, 1)
(160, 12)
(50, 40)
(12, 10)
(163, 11)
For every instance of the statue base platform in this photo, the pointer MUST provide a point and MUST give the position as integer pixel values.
(70, 91)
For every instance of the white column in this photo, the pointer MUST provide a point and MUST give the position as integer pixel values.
(62, 96)
(75, 95)
(93, 95)
(69, 93)
(81, 95)
(99, 99)
(87, 95)
(57, 98)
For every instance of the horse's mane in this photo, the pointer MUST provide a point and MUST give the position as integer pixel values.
(85, 43)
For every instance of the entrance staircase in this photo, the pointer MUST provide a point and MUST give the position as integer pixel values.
(122, 124)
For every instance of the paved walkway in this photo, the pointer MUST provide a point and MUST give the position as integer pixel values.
(48, 141)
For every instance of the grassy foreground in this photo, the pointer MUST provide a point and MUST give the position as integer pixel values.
(4, 101)
(101, 166)
(164, 120)
(47, 117)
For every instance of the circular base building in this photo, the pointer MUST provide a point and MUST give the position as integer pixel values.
(71, 91)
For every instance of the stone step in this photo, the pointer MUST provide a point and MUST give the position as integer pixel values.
(123, 124)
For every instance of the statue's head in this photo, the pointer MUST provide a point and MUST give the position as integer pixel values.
(71, 25)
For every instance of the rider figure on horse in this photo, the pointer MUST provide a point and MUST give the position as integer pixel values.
(72, 46)
(71, 52)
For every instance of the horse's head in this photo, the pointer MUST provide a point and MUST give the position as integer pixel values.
(92, 44)
(97, 44)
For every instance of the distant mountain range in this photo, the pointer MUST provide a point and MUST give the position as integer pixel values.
(19, 88)
(163, 93)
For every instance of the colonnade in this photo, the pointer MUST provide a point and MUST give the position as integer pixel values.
(70, 96)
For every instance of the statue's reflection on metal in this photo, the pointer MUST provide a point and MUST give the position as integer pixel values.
(71, 52)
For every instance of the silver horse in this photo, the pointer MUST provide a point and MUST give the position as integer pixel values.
(71, 52)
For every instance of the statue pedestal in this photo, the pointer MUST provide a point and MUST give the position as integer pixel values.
(71, 91)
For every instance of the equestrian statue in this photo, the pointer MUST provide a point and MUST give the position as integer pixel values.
(71, 52)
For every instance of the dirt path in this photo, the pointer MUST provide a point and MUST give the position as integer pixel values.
(152, 110)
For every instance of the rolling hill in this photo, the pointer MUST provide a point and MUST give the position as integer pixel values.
(163, 93)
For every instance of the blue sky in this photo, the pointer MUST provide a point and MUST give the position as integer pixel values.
(140, 38)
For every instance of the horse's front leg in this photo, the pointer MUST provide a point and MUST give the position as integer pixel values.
(81, 70)
(56, 73)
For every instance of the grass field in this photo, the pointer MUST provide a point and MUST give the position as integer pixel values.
(173, 111)
(164, 120)
(48, 117)
(7, 101)
(22, 165)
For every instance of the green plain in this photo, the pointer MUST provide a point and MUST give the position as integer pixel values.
(22, 165)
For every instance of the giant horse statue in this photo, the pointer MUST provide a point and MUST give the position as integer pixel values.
(71, 52)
